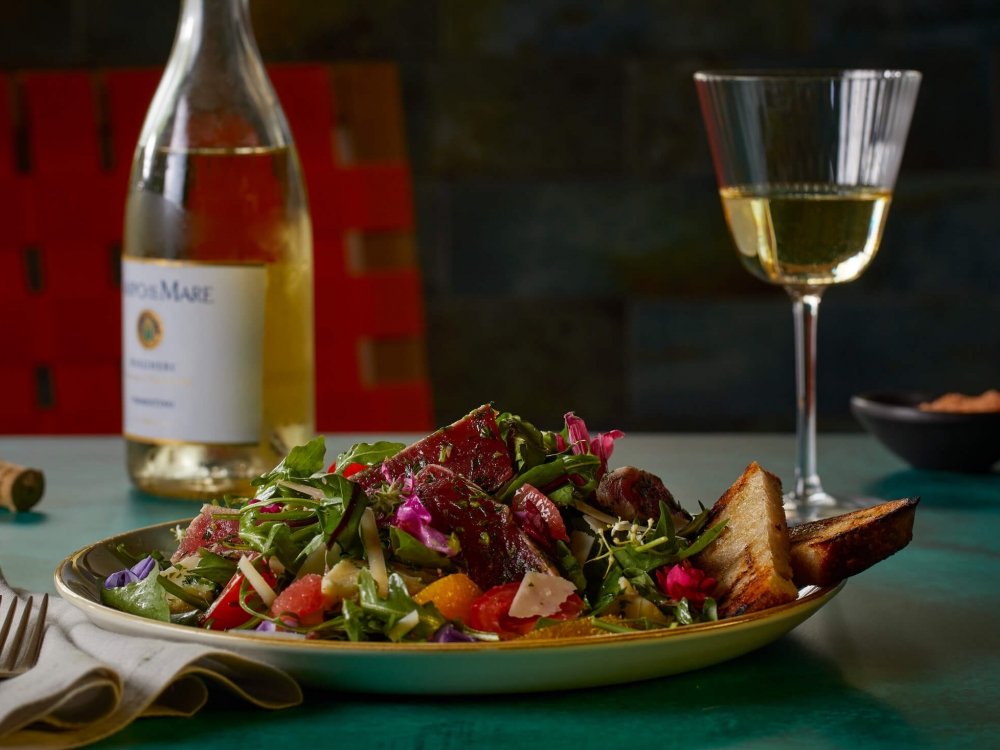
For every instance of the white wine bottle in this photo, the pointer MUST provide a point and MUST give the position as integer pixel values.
(217, 301)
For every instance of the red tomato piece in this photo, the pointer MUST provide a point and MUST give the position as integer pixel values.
(304, 599)
(350, 471)
(226, 612)
(491, 612)
(546, 508)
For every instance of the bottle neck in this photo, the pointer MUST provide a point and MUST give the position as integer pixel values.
(215, 33)
(215, 82)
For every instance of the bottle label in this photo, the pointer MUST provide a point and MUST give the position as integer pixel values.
(192, 351)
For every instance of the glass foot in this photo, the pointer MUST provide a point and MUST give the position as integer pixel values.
(819, 505)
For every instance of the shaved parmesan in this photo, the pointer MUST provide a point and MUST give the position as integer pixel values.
(540, 594)
(256, 581)
(580, 544)
(315, 562)
(405, 624)
(275, 565)
(305, 489)
(342, 581)
(589, 510)
(376, 557)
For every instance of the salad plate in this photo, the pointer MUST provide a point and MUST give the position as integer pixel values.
(442, 668)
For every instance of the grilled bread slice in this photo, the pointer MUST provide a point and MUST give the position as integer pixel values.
(827, 551)
(751, 557)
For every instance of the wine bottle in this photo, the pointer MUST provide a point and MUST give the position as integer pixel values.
(217, 302)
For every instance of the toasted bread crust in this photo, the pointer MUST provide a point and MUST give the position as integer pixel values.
(828, 551)
(751, 557)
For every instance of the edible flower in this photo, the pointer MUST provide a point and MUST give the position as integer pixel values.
(136, 573)
(413, 518)
(685, 581)
(448, 633)
(579, 438)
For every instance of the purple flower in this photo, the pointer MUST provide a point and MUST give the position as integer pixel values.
(136, 573)
(266, 626)
(413, 518)
(448, 633)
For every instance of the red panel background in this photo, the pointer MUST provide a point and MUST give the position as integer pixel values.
(66, 211)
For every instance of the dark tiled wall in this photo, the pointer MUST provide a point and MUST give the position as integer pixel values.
(574, 250)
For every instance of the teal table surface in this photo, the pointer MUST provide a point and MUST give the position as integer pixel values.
(908, 655)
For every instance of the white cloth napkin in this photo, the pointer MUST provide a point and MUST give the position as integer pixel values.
(89, 683)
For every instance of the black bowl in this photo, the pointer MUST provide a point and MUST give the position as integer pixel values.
(929, 440)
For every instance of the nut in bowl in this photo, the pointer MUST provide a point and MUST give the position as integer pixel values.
(914, 426)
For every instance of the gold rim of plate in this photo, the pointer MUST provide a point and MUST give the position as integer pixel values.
(66, 592)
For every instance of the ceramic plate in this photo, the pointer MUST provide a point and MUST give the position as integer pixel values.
(432, 668)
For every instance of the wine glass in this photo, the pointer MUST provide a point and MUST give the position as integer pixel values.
(806, 163)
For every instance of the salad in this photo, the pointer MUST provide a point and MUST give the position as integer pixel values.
(489, 529)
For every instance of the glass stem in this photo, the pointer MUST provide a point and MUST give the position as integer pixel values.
(805, 304)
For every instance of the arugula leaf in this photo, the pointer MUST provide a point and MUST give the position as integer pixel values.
(396, 605)
(696, 525)
(408, 549)
(214, 568)
(354, 621)
(524, 440)
(191, 618)
(608, 590)
(634, 562)
(709, 610)
(347, 533)
(146, 598)
(682, 612)
(544, 474)
(301, 462)
(181, 593)
(367, 454)
(269, 538)
(704, 540)
(569, 567)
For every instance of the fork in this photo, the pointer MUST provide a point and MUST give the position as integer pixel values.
(17, 661)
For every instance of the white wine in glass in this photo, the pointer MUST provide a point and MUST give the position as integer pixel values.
(806, 163)
(806, 234)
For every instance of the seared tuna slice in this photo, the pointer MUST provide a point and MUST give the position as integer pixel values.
(635, 495)
(471, 447)
(210, 532)
(494, 549)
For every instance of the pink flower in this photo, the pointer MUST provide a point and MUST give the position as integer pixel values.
(601, 446)
(579, 438)
(685, 581)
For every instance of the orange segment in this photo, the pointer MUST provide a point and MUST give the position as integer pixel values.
(453, 595)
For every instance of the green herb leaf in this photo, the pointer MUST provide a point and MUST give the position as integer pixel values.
(354, 621)
(396, 605)
(709, 610)
(301, 462)
(524, 440)
(560, 465)
(608, 590)
(569, 567)
(408, 549)
(191, 618)
(185, 596)
(367, 454)
(215, 568)
(704, 540)
(146, 598)
(683, 612)
(270, 538)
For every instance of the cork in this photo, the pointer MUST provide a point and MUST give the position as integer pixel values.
(20, 487)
